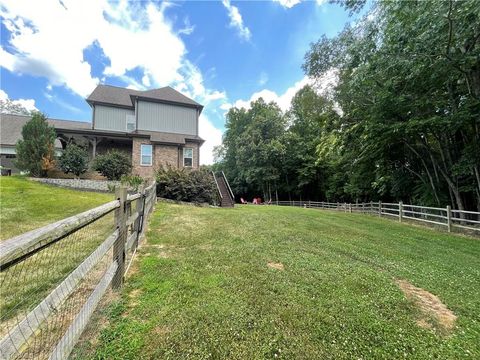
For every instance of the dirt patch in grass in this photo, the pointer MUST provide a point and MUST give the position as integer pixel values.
(133, 297)
(276, 266)
(434, 314)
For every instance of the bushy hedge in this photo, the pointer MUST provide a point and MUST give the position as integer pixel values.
(113, 164)
(74, 159)
(188, 185)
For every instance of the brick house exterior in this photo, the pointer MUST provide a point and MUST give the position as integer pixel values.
(155, 127)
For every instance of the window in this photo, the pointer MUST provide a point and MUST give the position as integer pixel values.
(188, 157)
(130, 123)
(146, 155)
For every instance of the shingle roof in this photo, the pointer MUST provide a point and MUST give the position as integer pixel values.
(108, 94)
(11, 127)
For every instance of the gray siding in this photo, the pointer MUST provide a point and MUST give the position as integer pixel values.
(111, 118)
(166, 118)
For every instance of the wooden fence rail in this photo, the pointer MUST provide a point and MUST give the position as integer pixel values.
(444, 217)
(122, 243)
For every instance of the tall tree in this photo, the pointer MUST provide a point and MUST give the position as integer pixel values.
(35, 152)
(410, 92)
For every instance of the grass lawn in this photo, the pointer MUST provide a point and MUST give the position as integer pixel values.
(202, 288)
(27, 205)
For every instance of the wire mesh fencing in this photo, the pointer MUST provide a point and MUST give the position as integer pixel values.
(52, 278)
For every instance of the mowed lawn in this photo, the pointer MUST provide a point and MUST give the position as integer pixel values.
(202, 288)
(26, 205)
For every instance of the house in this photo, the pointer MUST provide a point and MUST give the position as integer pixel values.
(155, 127)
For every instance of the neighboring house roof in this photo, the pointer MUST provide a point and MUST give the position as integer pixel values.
(107, 94)
(11, 131)
(11, 127)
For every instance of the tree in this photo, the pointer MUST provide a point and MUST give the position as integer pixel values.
(74, 160)
(35, 152)
(252, 148)
(8, 106)
(409, 88)
(113, 164)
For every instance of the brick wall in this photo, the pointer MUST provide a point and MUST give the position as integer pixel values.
(162, 155)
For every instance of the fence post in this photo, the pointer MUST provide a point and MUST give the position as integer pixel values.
(139, 207)
(380, 208)
(119, 245)
(363, 208)
(350, 207)
(449, 218)
(345, 207)
(400, 211)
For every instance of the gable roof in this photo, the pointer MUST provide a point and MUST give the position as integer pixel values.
(11, 127)
(119, 96)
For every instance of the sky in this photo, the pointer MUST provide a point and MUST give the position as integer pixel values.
(220, 53)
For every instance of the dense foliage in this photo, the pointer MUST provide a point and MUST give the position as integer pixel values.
(186, 185)
(113, 164)
(409, 93)
(35, 152)
(74, 159)
(132, 181)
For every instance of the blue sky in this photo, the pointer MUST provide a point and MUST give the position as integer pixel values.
(221, 53)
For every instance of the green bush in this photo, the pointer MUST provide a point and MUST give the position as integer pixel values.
(133, 181)
(35, 152)
(113, 164)
(74, 160)
(186, 185)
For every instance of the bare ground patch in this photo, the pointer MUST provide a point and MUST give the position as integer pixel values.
(434, 314)
(276, 266)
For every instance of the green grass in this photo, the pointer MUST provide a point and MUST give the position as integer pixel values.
(201, 288)
(26, 205)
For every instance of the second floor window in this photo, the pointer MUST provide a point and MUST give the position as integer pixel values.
(188, 157)
(146, 153)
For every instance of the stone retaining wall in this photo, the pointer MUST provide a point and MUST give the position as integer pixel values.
(80, 184)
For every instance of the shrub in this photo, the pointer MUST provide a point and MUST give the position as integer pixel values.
(133, 181)
(186, 185)
(35, 152)
(113, 164)
(74, 160)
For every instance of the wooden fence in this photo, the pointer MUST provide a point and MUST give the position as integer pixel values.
(26, 262)
(445, 217)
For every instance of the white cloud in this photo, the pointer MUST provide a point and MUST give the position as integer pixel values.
(288, 3)
(236, 20)
(131, 36)
(322, 86)
(28, 104)
(291, 3)
(212, 137)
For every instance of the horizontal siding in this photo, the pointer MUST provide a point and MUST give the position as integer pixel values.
(167, 118)
(111, 118)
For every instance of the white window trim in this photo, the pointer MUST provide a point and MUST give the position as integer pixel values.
(187, 148)
(141, 155)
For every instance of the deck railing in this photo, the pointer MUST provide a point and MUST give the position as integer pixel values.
(52, 278)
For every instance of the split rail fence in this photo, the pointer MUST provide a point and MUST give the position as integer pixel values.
(53, 278)
(444, 217)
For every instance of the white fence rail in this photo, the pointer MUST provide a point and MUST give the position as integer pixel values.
(444, 217)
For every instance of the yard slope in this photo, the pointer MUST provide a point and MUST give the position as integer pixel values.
(26, 205)
(271, 282)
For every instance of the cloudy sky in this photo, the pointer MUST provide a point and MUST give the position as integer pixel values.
(220, 53)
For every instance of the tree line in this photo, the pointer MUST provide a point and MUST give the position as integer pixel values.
(402, 122)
